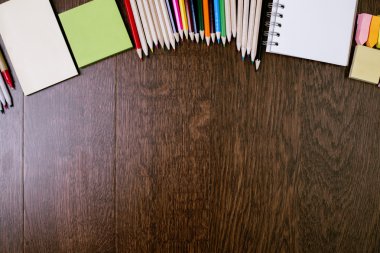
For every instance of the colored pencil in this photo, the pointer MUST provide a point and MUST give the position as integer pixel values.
(245, 28)
(227, 9)
(201, 19)
(156, 22)
(239, 20)
(2, 100)
(170, 9)
(162, 23)
(223, 21)
(3, 88)
(217, 19)
(168, 26)
(145, 24)
(261, 46)
(251, 26)
(149, 17)
(132, 25)
(206, 21)
(140, 29)
(178, 18)
(212, 19)
(189, 19)
(5, 71)
(182, 7)
(194, 14)
(233, 17)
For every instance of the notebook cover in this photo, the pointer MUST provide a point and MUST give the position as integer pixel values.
(35, 44)
(317, 30)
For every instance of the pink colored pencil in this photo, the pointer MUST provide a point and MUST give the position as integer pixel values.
(177, 13)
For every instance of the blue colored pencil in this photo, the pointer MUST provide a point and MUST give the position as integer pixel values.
(217, 19)
(194, 20)
(174, 27)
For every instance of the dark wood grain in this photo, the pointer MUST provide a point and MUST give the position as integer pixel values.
(194, 151)
(11, 175)
(69, 162)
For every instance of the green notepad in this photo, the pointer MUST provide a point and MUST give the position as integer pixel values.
(95, 31)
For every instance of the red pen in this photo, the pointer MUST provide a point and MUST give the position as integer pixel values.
(5, 71)
(133, 27)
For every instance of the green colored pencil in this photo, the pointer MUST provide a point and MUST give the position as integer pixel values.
(223, 21)
(200, 19)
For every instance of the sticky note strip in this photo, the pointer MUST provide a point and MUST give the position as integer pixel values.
(373, 32)
(378, 41)
(366, 65)
(362, 32)
(95, 31)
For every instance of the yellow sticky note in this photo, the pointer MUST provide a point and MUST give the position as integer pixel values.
(366, 65)
(373, 32)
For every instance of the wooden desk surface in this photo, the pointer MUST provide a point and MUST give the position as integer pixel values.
(193, 151)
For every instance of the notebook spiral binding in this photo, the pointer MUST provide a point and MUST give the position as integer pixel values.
(274, 15)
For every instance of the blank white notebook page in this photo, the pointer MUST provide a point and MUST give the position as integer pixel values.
(317, 30)
(35, 44)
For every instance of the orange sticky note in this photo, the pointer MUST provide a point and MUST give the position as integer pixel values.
(373, 32)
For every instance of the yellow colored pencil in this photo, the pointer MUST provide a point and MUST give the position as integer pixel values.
(184, 18)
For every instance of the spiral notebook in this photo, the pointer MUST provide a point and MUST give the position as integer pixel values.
(316, 30)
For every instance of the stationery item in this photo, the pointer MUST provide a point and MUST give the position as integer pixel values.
(1, 108)
(145, 25)
(3, 102)
(258, 49)
(319, 30)
(184, 18)
(256, 31)
(200, 19)
(378, 42)
(5, 92)
(5, 71)
(362, 31)
(95, 30)
(373, 32)
(212, 19)
(244, 29)
(132, 25)
(189, 19)
(177, 13)
(227, 10)
(251, 26)
(149, 18)
(31, 36)
(140, 30)
(233, 18)
(239, 22)
(156, 22)
(170, 11)
(223, 32)
(194, 20)
(366, 65)
(206, 21)
(162, 23)
(169, 30)
(218, 26)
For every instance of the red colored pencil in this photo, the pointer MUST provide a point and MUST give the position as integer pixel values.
(133, 27)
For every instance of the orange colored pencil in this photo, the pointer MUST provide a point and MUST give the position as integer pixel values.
(206, 21)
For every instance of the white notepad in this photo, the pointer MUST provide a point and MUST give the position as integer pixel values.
(35, 44)
(319, 30)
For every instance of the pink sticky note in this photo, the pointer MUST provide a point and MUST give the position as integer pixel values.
(362, 32)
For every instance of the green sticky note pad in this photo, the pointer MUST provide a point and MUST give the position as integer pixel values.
(95, 31)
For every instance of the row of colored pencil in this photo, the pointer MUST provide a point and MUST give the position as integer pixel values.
(166, 22)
